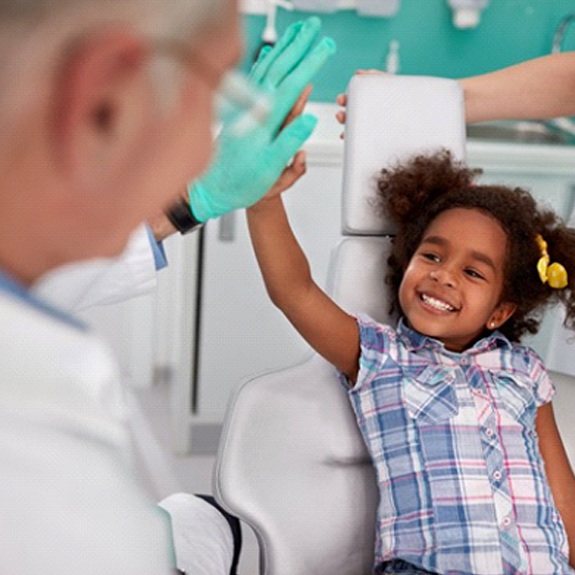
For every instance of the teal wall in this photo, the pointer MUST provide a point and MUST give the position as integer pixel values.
(510, 31)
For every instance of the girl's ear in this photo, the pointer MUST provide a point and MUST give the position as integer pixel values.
(501, 314)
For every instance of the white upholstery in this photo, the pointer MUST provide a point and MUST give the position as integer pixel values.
(293, 466)
(291, 462)
(389, 119)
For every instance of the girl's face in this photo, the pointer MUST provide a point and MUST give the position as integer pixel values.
(452, 286)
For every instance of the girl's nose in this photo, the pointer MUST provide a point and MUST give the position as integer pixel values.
(443, 276)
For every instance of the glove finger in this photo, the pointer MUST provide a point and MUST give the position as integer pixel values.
(292, 87)
(262, 54)
(260, 68)
(296, 51)
(291, 139)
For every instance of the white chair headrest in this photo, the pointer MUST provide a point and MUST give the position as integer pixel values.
(390, 119)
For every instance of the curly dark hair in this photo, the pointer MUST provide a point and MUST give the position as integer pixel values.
(413, 194)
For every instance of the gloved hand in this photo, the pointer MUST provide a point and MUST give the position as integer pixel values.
(245, 167)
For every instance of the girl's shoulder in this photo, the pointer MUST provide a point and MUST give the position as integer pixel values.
(374, 328)
(528, 370)
(525, 355)
(375, 336)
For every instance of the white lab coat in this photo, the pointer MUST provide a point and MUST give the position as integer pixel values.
(70, 502)
(80, 285)
(70, 499)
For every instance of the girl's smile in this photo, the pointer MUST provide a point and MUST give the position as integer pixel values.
(436, 303)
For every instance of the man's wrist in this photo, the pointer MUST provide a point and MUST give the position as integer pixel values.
(182, 218)
(161, 227)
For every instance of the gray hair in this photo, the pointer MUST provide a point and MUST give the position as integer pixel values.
(33, 32)
(155, 14)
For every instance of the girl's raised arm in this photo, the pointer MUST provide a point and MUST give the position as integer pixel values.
(332, 332)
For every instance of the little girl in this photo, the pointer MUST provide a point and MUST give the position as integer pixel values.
(455, 412)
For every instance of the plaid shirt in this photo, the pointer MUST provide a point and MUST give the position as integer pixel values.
(452, 436)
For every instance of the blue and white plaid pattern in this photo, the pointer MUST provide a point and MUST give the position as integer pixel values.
(461, 480)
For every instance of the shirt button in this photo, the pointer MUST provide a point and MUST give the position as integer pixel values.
(507, 522)
(464, 361)
(497, 475)
(489, 432)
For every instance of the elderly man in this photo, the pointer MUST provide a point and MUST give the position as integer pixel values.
(106, 110)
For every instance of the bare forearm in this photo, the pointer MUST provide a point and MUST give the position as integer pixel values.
(283, 264)
(289, 283)
(161, 227)
(559, 472)
(538, 89)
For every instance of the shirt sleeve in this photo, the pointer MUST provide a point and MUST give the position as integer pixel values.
(376, 342)
(101, 281)
(543, 388)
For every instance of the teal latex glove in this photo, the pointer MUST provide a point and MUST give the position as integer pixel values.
(245, 167)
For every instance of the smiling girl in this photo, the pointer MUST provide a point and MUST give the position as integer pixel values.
(455, 412)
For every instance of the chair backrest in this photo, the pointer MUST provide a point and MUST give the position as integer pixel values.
(291, 462)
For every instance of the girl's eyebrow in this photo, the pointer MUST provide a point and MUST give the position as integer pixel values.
(476, 255)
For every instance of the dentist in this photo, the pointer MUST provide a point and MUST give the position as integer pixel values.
(106, 110)
(244, 168)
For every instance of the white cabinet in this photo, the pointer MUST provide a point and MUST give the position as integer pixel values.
(241, 332)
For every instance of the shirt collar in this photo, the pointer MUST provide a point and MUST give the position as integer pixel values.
(15, 289)
(414, 340)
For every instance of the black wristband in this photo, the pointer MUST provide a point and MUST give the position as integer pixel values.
(182, 218)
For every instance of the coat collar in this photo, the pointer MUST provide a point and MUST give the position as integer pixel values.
(12, 287)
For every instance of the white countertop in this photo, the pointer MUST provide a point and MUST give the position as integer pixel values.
(326, 147)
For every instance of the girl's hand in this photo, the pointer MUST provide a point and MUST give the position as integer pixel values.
(297, 168)
(341, 100)
(288, 177)
(298, 107)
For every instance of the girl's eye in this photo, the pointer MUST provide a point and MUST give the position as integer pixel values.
(431, 257)
(474, 274)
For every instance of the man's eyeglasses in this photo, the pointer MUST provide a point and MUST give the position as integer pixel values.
(241, 106)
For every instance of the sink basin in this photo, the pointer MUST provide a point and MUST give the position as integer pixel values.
(523, 132)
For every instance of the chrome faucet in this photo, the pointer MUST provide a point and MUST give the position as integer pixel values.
(560, 32)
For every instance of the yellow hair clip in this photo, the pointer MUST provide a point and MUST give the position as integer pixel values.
(554, 274)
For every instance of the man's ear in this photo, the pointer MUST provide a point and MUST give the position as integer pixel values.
(501, 314)
(100, 100)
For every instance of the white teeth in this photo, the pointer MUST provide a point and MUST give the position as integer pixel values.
(436, 303)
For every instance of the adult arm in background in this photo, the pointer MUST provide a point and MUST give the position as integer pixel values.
(536, 89)
(541, 88)
(244, 169)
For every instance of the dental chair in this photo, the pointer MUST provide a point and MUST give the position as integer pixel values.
(291, 461)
